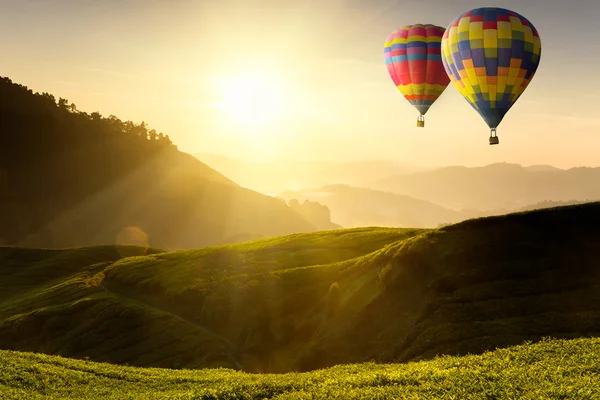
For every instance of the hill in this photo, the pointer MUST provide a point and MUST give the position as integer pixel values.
(551, 369)
(496, 186)
(178, 309)
(316, 213)
(354, 206)
(550, 204)
(69, 178)
(313, 300)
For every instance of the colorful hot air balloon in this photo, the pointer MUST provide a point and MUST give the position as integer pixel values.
(491, 55)
(413, 58)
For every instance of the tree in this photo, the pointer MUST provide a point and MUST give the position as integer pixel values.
(72, 155)
(63, 104)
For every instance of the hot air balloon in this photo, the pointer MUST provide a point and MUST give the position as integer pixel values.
(491, 55)
(413, 58)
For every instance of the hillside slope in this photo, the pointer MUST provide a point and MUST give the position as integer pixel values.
(558, 369)
(69, 178)
(204, 307)
(171, 206)
(313, 300)
(481, 284)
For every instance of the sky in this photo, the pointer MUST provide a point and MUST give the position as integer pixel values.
(302, 80)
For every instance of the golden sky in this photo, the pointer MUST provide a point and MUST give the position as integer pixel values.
(302, 80)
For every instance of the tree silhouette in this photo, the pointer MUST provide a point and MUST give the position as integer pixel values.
(52, 155)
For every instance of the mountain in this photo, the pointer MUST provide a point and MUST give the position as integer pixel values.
(69, 178)
(496, 186)
(275, 177)
(307, 301)
(314, 212)
(355, 206)
(542, 168)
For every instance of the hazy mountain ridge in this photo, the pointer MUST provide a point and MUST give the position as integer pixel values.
(469, 192)
(356, 206)
(497, 186)
(273, 177)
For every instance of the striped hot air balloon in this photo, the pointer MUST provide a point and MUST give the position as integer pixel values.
(413, 58)
(491, 55)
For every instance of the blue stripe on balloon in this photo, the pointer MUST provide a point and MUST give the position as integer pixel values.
(518, 47)
(493, 116)
(417, 57)
(489, 14)
(491, 66)
(526, 60)
(478, 57)
(416, 43)
(459, 64)
(464, 45)
(504, 56)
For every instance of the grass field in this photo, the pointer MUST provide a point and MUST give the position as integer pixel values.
(181, 309)
(557, 369)
(308, 301)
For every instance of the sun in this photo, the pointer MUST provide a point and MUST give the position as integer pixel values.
(253, 100)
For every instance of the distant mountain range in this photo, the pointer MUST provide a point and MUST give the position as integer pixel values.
(353, 206)
(500, 186)
(274, 177)
(390, 194)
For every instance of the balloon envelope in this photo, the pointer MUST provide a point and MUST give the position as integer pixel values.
(491, 55)
(413, 58)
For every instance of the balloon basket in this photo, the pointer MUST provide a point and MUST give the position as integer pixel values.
(421, 121)
(493, 137)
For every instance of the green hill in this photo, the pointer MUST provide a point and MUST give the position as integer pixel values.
(213, 306)
(69, 179)
(313, 300)
(560, 369)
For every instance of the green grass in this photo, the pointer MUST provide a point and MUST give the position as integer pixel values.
(308, 301)
(195, 308)
(551, 369)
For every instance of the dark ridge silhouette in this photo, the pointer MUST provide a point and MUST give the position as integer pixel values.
(69, 178)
